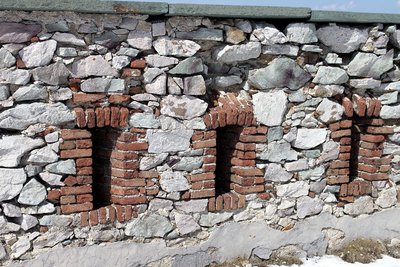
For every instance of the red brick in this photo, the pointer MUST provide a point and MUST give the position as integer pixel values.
(111, 213)
(80, 117)
(129, 200)
(94, 217)
(219, 205)
(115, 117)
(85, 143)
(84, 162)
(337, 172)
(134, 146)
(120, 212)
(373, 146)
(340, 133)
(73, 208)
(378, 107)
(227, 201)
(84, 180)
(253, 138)
(84, 219)
(248, 189)
(76, 190)
(348, 107)
(127, 137)
(247, 171)
(66, 145)
(242, 202)
(337, 164)
(68, 134)
(119, 99)
(372, 138)
(344, 156)
(374, 161)
(211, 204)
(209, 159)
(124, 155)
(373, 176)
(80, 98)
(222, 117)
(243, 162)
(344, 149)
(370, 121)
(70, 181)
(209, 167)
(138, 64)
(107, 116)
(345, 141)
(84, 198)
(130, 174)
(91, 118)
(75, 153)
(102, 215)
(380, 130)
(100, 117)
(338, 180)
(369, 153)
(207, 120)
(202, 177)
(205, 193)
(210, 151)
(359, 105)
(204, 144)
(54, 195)
(148, 174)
(123, 119)
(67, 200)
(128, 182)
(130, 165)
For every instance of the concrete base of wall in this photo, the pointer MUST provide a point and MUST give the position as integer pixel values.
(315, 236)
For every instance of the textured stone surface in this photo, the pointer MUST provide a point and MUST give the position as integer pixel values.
(23, 115)
(13, 147)
(27, 221)
(144, 120)
(329, 111)
(277, 49)
(11, 183)
(269, 108)
(171, 47)
(51, 178)
(140, 40)
(54, 74)
(309, 138)
(92, 66)
(33, 193)
(202, 34)
(226, 81)
(192, 206)
(62, 167)
(168, 141)
(211, 219)
(302, 33)
(390, 112)
(307, 206)
(11, 32)
(103, 85)
(361, 205)
(188, 66)
(268, 34)
(147, 163)
(278, 152)
(342, 39)
(276, 173)
(38, 54)
(183, 107)
(188, 164)
(42, 156)
(68, 38)
(186, 224)
(325, 90)
(370, 65)
(281, 72)
(20, 247)
(387, 197)
(30, 92)
(158, 86)
(11, 210)
(173, 182)
(18, 76)
(7, 60)
(296, 189)
(194, 85)
(237, 53)
(330, 75)
(152, 225)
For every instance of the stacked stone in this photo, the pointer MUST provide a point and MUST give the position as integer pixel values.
(158, 91)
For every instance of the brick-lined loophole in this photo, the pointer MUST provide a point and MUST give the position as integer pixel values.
(227, 138)
(104, 141)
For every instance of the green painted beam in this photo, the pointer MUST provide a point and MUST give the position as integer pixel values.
(354, 17)
(87, 6)
(226, 11)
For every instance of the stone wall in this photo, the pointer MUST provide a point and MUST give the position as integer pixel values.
(138, 127)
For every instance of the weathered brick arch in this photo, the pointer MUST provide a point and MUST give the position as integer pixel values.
(360, 134)
(108, 170)
(230, 170)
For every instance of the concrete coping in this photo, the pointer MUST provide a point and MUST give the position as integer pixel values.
(220, 11)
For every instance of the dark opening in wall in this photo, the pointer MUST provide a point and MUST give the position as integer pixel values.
(104, 141)
(227, 138)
